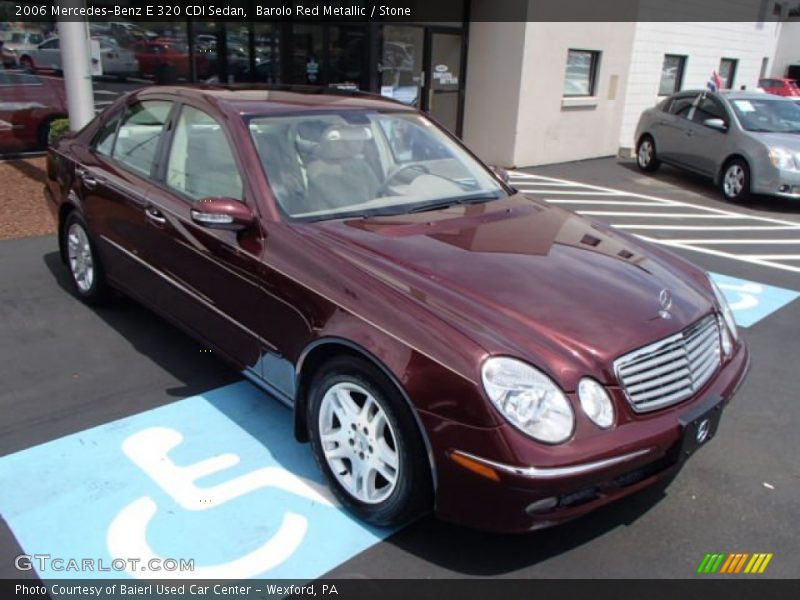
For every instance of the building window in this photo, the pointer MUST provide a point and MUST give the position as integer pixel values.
(671, 74)
(764, 67)
(727, 71)
(581, 73)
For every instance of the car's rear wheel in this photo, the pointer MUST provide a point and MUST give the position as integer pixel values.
(26, 62)
(646, 157)
(84, 264)
(367, 443)
(735, 181)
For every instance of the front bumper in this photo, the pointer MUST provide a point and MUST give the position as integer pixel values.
(778, 182)
(525, 494)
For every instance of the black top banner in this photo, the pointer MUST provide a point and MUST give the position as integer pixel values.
(404, 11)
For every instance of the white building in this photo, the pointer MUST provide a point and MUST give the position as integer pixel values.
(544, 92)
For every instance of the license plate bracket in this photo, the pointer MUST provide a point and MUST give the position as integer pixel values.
(699, 425)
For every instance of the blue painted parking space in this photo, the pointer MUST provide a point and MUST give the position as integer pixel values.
(217, 478)
(752, 301)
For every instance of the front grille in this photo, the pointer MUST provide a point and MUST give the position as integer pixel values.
(670, 370)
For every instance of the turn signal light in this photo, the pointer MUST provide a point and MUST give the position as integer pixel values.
(475, 466)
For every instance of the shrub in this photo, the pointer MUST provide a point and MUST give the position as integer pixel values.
(58, 127)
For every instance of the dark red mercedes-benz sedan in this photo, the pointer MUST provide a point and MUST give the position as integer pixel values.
(444, 341)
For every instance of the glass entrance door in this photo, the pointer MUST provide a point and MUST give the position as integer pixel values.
(401, 65)
(443, 89)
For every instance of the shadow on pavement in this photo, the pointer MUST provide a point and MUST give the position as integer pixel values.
(165, 344)
(475, 553)
(688, 181)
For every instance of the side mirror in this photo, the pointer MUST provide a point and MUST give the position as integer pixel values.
(501, 173)
(717, 124)
(222, 213)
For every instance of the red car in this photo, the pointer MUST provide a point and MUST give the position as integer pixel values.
(779, 87)
(166, 60)
(28, 104)
(444, 341)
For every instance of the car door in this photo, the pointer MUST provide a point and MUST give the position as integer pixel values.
(706, 147)
(48, 55)
(672, 127)
(113, 178)
(215, 272)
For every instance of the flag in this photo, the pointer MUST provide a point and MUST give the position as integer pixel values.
(714, 82)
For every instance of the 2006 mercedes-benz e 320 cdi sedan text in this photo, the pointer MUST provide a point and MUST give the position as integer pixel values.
(445, 342)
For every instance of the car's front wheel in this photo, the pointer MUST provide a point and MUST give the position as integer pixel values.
(367, 443)
(84, 264)
(735, 181)
(646, 157)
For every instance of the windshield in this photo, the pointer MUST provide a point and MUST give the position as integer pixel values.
(26, 38)
(768, 115)
(359, 163)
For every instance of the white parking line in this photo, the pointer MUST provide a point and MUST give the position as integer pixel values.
(599, 202)
(617, 213)
(573, 194)
(738, 241)
(707, 227)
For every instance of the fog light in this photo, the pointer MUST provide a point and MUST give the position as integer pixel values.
(596, 403)
(542, 505)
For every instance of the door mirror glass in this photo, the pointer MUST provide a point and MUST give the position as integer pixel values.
(717, 124)
(222, 213)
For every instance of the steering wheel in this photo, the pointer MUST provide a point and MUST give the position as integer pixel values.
(384, 187)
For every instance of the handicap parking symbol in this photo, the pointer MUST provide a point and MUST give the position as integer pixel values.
(216, 478)
(752, 301)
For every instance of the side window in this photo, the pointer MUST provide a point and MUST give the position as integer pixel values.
(139, 134)
(50, 45)
(682, 105)
(708, 108)
(104, 140)
(201, 163)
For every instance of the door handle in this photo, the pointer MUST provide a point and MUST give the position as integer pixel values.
(88, 179)
(154, 215)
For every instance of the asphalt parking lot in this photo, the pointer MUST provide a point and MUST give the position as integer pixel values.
(80, 384)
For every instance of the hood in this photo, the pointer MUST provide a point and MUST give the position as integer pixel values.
(527, 279)
(786, 140)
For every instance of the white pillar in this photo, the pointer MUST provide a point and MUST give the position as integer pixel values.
(75, 56)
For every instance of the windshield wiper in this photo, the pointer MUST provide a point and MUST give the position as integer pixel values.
(472, 199)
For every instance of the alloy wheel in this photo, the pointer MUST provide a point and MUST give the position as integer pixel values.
(733, 183)
(359, 443)
(81, 261)
(645, 155)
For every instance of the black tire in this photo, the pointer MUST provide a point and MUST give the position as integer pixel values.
(734, 181)
(26, 63)
(647, 160)
(413, 493)
(97, 291)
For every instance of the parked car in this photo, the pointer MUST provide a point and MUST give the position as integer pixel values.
(444, 341)
(166, 60)
(8, 58)
(779, 87)
(28, 104)
(22, 41)
(116, 61)
(746, 142)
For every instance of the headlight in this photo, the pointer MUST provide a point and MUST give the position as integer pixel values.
(727, 313)
(596, 403)
(783, 158)
(528, 399)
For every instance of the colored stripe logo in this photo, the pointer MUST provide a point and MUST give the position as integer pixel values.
(734, 563)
